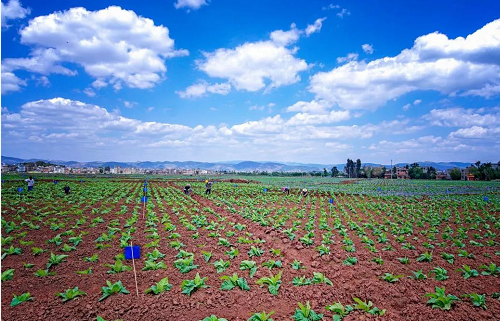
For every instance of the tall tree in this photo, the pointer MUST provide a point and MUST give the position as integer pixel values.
(335, 171)
(455, 174)
(358, 167)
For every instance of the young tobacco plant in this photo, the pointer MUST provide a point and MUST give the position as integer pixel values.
(418, 275)
(232, 253)
(319, 277)
(339, 311)
(70, 294)
(440, 300)
(296, 265)
(118, 267)
(425, 257)
(7, 275)
(351, 260)
(272, 264)
(230, 282)
(478, 300)
(159, 287)
(467, 271)
(306, 313)
(206, 255)
(185, 265)
(190, 286)
(388, 277)
(273, 283)
(221, 265)
(93, 258)
(262, 316)
(255, 251)
(301, 281)
(491, 269)
(113, 288)
(153, 266)
(249, 265)
(55, 260)
(18, 299)
(213, 318)
(367, 307)
(450, 258)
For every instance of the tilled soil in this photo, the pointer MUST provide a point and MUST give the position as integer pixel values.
(403, 300)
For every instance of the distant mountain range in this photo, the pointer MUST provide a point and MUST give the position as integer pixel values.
(239, 166)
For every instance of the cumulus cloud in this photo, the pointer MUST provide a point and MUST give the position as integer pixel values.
(315, 27)
(201, 88)
(463, 65)
(248, 66)
(253, 66)
(67, 123)
(415, 103)
(367, 48)
(190, 4)
(113, 45)
(333, 116)
(12, 10)
(461, 117)
(350, 57)
(285, 38)
(11, 83)
(314, 106)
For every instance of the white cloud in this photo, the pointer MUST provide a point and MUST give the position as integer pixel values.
(129, 104)
(471, 132)
(350, 57)
(331, 6)
(150, 109)
(201, 88)
(256, 107)
(79, 129)
(99, 83)
(112, 45)
(11, 83)
(314, 107)
(285, 38)
(333, 116)
(343, 12)
(252, 64)
(460, 117)
(89, 92)
(190, 4)
(435, 62)
(12, 10)
(415, 103)
(367, 48)
(249, 65)
(315, 27)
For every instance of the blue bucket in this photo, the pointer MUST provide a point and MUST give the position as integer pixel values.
(132, 252)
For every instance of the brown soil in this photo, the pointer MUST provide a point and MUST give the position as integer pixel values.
(403, 300)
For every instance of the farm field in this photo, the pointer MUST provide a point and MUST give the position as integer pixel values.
(350, 250)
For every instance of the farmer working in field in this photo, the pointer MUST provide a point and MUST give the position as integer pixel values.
(66, 189)
(31, 183)
(286, 190)
(304, 192)
(187, 189)
(208, 187)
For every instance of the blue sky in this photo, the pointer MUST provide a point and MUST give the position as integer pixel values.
(301, 81)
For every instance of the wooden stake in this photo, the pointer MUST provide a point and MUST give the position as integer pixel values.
(135, 274)
(143, 208)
